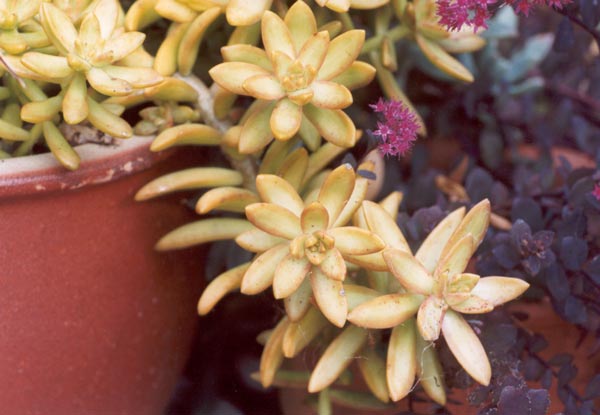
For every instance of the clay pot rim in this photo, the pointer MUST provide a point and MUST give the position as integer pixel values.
(42, 173)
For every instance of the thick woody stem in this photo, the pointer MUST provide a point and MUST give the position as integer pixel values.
(247, 165)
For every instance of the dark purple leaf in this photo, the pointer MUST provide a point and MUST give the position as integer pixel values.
(539, 401)
(560, 359)
(513, 401)
(566, 374)
(575, 310)
(573, 252)
(556, 282)
(565, 39)
(527, 209)
(532, 369)
(506, 255)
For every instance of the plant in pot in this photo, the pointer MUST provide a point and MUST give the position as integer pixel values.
(343, 266)
(94, 321)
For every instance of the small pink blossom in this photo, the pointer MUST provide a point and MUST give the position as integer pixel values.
(397, 130)
(596, 191)
(454, 14)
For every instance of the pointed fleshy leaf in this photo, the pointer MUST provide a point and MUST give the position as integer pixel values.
(299, 334)
(330, 297)
(264, 86)
(58, 27)
(190, 42)
(274, 219)
(248, 54)
(202, 231)
(40, 111)
(314, 218)
(337, 357)
(301, 23)
(466, 347)
(336, 190)
(314, 50)
(456, 259)
(361, 187)
(430, 316)
(119, 47)
(175, 10)
(298, 304)
(74, 105)
(333, 265)
(276, 36)
(222, 285)
(462, 43)
(232, 75)
(462, 283)
(401, 360)
(272, 355)
(257, 241)
(442, 60)
(107, 12)
(106, 121)
(141, 14)
(431, 249)
(334, 125)
(136, 77)
(409, 271)
(193, 178)
(245, 13)
(54, 67)
(261, 272)
(274, 189)
(358, 75)
(386, 311)
(330, 95)
(165, 62)
(473, 305)
(383, 225)
(289, 274)
(499, 290)
(294, 167)
(373, 262)
(351, 240)
(256, 131)
(105, 84)
(430, 372)
(357, 295)
(286, 119)
(186, 134)
(475, 222)
(343, 50)
(172, 89)
(372, 368)
(310, 135)
(57, 143)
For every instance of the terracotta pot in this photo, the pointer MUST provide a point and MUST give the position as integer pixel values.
(92, 319)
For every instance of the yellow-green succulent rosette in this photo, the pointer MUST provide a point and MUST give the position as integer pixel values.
(438, 290)
(301, 80)
(302, 245)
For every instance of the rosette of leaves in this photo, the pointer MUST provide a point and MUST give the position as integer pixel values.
(355, 344)
(303, 245)
(190, 21)
(434, 40)
(93, 54)
(438, 290)
(301, 80)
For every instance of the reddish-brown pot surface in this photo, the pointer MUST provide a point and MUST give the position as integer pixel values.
(92, 319)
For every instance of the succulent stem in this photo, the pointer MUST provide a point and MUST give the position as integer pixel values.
(246, 165)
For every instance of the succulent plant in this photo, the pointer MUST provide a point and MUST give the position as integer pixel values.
(438, 290)
(301, 81)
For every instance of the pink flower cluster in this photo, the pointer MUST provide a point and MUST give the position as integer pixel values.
(398, 130)
(596, 191)
(454, 14)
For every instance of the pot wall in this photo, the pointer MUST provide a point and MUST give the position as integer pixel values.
(92, 319)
